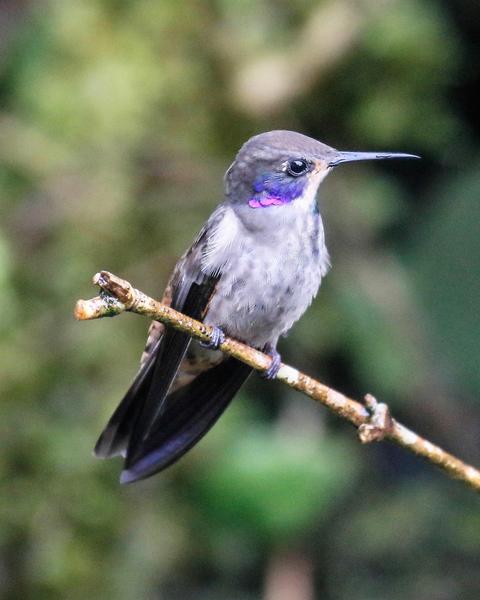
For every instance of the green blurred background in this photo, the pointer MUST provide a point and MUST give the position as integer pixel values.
(117, 121)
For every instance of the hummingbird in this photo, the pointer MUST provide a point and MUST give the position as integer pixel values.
(251, 273)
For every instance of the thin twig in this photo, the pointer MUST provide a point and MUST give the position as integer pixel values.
(373, 419)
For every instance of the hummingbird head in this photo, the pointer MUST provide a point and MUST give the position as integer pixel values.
(281, 168)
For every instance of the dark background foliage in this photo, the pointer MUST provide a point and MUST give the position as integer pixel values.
(117, 121)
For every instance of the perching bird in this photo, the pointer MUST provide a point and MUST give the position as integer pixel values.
(251, 273)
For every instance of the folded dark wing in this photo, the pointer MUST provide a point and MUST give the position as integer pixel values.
(190, 413)
(189, 290)
(150, 419)
(169, 355)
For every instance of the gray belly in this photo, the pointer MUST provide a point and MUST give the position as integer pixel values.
(261, 294)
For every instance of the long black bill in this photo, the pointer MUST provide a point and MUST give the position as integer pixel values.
(344, 157)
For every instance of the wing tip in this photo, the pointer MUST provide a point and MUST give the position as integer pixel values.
(128, 476)
(101, 449)
(143, 467)
(107, 446)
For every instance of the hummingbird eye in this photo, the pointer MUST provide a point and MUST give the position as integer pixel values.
(297, 167)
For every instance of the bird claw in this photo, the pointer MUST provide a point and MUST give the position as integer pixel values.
(274, 367)
(217, 337)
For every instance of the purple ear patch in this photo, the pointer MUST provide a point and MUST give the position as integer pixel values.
(275, 189)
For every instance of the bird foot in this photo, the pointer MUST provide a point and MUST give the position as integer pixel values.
(217, 337)
(274, 367)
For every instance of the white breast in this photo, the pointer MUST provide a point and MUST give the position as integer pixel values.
(270, 272)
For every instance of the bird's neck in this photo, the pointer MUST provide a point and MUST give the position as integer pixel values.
(286, 228)
(276, 218)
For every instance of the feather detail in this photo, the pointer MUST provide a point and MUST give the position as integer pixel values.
(193, 410)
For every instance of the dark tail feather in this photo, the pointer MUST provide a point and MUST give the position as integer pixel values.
(144, 399)
(114, 438)
(151, 405)
(191, 412)
(142, 406)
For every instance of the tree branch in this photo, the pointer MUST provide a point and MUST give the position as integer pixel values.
(372, 419)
